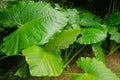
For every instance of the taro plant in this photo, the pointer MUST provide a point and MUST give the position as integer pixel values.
(93, 32)
(93, 70)
(112, 20)
(38, 36)
(39, 33)
(35, 24)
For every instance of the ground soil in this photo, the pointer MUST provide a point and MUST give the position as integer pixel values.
(112, 62)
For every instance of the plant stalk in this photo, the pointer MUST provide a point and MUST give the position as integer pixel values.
(113, 49)
(67, 55)
(74, 56)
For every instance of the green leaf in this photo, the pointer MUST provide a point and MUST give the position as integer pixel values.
(84, 76)
(93, 31)
(88, 19)
(63, 39)
(43, 63)
(94, 70)
(36, 22)
(98, 51)
(91, 35)
(112, 19)
(73, 17)
(115, 35)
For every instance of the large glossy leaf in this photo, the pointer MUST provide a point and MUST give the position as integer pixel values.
(63, 39)
(112, 19)
(94, 70)
(98, 51)
(43, 63)
(91, 35)
(36, 22)
(115, 35)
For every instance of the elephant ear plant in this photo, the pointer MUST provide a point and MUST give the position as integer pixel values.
(92, 32)
(38, 37)
(93, 70)
(36, 24)
(113, 21)
(40, 32)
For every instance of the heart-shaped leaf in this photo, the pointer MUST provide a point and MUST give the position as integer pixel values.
(43, 63)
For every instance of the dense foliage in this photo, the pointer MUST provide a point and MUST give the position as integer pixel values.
(38, 38)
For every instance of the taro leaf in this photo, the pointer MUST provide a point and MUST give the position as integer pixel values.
(93, 30)
(43, 63)
(98, 51)
(73, 17)
(88, 19)
(36, 22)
(112, 19)
(63, 39)
(94, 70)
(91, 35)
(115, 35)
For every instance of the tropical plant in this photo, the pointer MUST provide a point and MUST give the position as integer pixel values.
(93, 70)
(34, 23)
(37, 33)
(112, 20)
(36, 38)
(93, 32)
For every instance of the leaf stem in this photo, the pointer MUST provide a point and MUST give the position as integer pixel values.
(73, 56)
(67, 55)
(113, 49)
